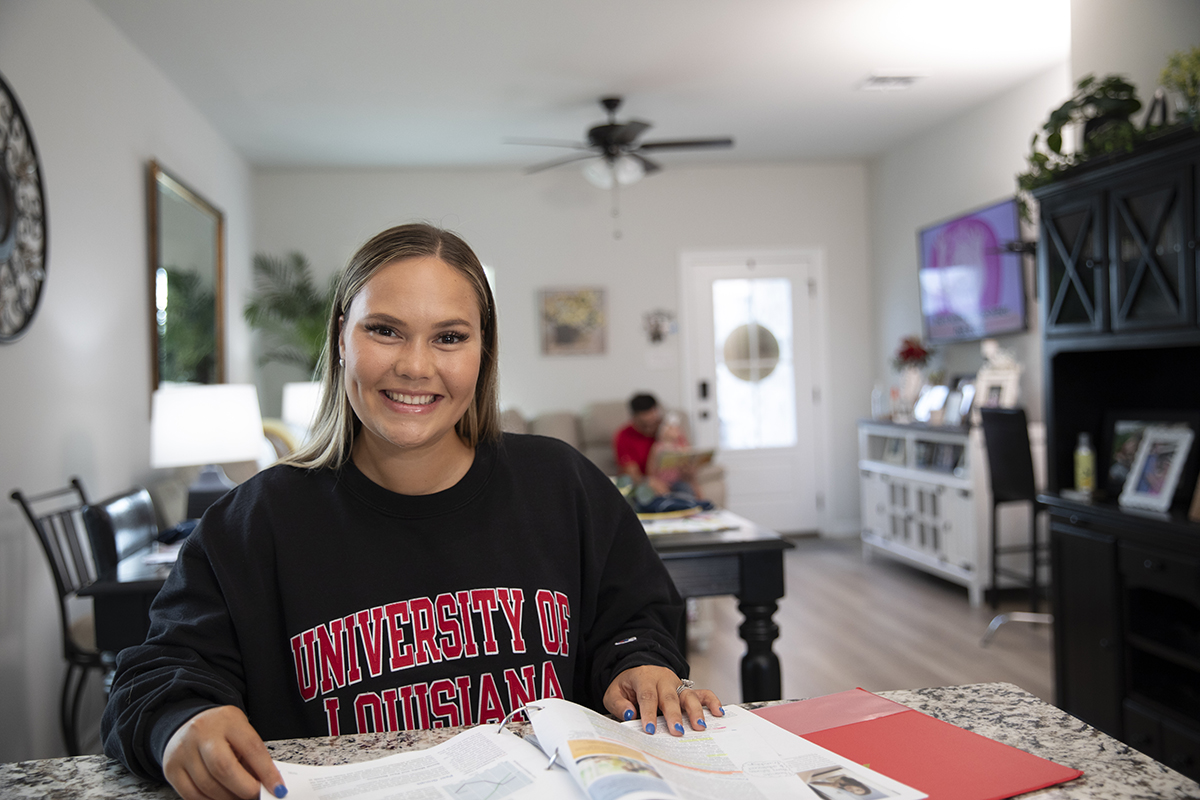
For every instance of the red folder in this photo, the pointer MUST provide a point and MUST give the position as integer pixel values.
(942, 760)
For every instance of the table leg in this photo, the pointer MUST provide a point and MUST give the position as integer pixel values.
(760, 666)
(761, 587)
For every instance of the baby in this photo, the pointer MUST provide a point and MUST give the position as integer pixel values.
(680, 478)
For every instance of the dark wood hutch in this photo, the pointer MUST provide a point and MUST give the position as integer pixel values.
(1119, 288)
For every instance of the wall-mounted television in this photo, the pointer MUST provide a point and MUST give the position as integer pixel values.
(972, 283)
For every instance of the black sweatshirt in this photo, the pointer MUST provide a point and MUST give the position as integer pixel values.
(321, 603)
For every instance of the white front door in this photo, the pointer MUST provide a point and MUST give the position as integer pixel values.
(749, 378)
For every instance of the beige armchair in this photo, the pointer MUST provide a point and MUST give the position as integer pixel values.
(591, 433)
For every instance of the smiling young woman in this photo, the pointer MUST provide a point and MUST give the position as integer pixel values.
(409, 567)
(410, 342)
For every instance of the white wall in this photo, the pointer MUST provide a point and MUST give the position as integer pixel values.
(76, 389)
(554, 229)
(967, 163)
(1131, 38)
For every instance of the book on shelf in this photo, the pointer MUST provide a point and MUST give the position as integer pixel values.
(582, 754)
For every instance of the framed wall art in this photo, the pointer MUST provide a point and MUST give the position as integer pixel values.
(574, 322)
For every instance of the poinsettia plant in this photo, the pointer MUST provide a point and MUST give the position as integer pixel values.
(911, 353)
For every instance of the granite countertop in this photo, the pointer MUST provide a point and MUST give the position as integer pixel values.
(1000, 711)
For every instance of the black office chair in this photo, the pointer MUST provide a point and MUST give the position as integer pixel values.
(56, 517)
(120, 525)
(1010, 464)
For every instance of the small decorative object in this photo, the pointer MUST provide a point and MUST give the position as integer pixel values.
(1085, 465)
(1182, 77)
(290, 310)
(573, 322)
(1156, 469)
(998, 382)
(658, 324)
(22, 220)
(909, 360)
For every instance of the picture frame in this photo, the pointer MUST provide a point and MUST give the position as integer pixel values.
(893, 451)
(995, 388)
(1194, 511)
(1156, 469)
(931, 401)
(1121, 436)
(573, 320)
(952, 415)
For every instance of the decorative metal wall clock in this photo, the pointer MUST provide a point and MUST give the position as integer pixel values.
(22, 220)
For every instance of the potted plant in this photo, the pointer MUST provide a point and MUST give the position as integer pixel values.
(289, 310)
(1105, 108)
(910, 358)
(1182, 76)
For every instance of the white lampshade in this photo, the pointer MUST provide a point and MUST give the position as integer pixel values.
(194, 424)
(300, 401)
(625, 170)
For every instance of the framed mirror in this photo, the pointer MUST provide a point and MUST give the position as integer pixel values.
(187, 280)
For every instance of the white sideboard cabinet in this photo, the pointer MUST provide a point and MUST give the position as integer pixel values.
(925, 500)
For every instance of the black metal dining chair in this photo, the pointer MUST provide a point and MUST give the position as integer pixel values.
(1010, 467)
(57, 519)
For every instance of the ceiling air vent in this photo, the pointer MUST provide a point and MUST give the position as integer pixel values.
(888, 83)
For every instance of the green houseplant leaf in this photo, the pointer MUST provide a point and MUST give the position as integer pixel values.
(289, 310)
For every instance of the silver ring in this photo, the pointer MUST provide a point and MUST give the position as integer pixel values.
(686, 684)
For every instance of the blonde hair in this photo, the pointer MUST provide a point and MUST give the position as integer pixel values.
(336, 424)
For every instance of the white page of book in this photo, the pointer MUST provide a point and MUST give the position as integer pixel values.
(740, 756)
(477, 764)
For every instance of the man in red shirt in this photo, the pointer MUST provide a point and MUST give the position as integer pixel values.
(633, 442)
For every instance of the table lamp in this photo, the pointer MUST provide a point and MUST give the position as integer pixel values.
(209, 425)
(300, 402)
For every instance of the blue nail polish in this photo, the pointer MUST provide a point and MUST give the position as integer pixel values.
(650, 727)
(702, 723)
(628, 714)
(722, 709)
(679, 727)
(280, 791)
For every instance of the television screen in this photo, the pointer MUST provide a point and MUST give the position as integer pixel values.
(972, 287)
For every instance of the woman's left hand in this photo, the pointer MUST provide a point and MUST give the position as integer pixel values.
(644, 691)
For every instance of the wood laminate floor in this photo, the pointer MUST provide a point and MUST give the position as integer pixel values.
(876, 624)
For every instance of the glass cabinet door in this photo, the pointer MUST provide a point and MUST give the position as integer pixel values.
(1072, 249)
(1151, 284)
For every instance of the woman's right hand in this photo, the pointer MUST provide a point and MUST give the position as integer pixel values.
(217, 755)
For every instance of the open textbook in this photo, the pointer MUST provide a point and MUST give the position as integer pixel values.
(739, 756)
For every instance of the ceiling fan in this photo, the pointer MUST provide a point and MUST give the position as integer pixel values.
(613, 152)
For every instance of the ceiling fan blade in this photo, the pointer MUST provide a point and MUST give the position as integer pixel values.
(682, 144)
(545, 142)
(648, 165)
(629, 131)
(558, 162)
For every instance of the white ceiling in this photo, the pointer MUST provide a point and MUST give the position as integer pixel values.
(444, 82)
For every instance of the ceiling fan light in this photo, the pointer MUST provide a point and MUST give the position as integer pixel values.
(628, 170)
(622, 170)
(598, 173)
